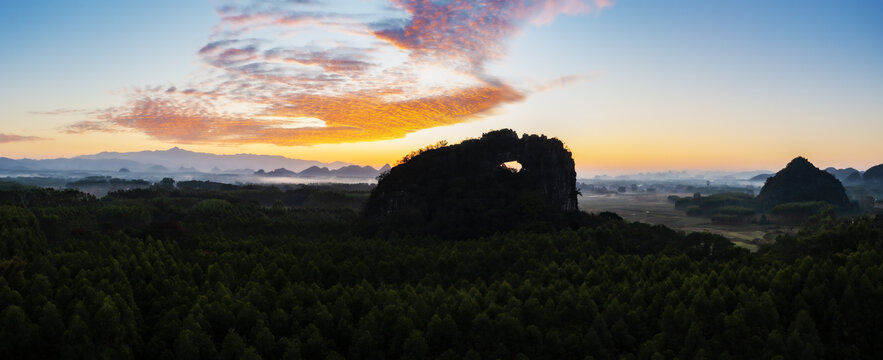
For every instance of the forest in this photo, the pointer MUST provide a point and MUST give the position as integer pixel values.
(204, 271)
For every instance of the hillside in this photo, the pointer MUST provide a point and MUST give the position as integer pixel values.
(841, 174)
(874, 174)
(801, 181)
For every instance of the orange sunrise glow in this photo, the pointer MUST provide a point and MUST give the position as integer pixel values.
(369, 82)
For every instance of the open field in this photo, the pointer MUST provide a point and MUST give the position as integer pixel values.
(656, 209)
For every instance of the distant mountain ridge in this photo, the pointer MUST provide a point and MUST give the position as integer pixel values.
(177, 158)
(179, 161)
(349, 171)
(65, 164)
(842, 174)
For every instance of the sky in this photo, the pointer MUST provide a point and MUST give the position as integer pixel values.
(627, 85)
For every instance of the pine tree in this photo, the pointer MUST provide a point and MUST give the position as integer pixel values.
(415, 346)
(17, 333)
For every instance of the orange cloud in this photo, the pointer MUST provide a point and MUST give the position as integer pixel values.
(375, 119)
(347, 118)
(258, 89)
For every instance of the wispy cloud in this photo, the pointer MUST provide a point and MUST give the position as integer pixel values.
(305, 72)
(470, 31)
(561, 81)
(8, 138)
(62, 111)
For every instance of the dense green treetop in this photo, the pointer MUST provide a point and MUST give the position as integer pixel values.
(185, 273)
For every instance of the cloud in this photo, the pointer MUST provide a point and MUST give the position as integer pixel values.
(62, 111)
(338, 60)
(8, 138)
(304, 72)
(470, 31)
(88, 126)
(562, 81)
(376, 119)
(348, 118)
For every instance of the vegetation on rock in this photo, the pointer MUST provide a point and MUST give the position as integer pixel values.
(462, 190)
(800, 181)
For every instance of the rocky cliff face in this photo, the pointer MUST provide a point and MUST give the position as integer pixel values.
(465, 185)
(801, 181)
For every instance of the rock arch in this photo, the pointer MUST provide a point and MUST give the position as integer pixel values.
(467, 179)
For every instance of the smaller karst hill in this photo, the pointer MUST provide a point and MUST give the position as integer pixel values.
(854, 178)
(801, 181)
(761, 177)
(467, 189)
(874, 174)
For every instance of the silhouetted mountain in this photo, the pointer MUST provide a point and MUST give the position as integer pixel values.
(158, 168)
(854, 178)
(464, 190)
(315, 171)
(761, 177)
(63, 164)
(124, 171)
(874, 174)
(740, 175)
(279, 172)
(801, 181)
(351, 171)
(175, 158)
(840, 174)
(11, 164)
(356, 171)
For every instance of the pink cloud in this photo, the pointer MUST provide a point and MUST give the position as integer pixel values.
(471, 31)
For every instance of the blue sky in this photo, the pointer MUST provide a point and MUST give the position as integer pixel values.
(629, 85)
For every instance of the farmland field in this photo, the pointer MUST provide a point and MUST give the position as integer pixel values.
(656, 209)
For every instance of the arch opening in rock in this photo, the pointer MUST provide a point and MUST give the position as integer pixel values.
(513, 166)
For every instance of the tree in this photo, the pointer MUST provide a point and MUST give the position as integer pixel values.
(185, 346)
(232, 347)
(292, 350)
(265, 342)
(415, 346)
(77, 340)
(803, 339)
(441, 332)
(51, 331)
(166, 183)
(109, 331)
(17, 333)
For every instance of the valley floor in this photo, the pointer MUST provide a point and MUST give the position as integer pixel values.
(655, 209)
